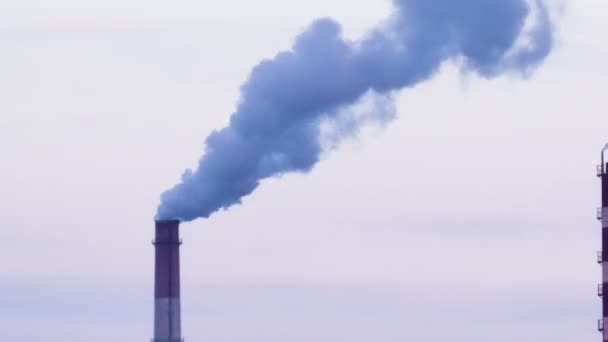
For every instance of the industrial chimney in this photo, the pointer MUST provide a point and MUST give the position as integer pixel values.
(602, 215)
(167, 320)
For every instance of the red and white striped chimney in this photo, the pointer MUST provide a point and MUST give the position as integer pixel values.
(602, 214)
(167, 317)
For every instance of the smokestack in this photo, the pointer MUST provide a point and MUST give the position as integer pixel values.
(602, 215)
(167, 317)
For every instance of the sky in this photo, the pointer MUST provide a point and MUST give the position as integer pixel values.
(470, 217)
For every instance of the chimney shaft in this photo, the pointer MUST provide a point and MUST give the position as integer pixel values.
(167, 316)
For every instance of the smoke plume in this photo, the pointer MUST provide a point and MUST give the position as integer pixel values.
(277, 126)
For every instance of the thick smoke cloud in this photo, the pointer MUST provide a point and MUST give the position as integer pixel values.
(277, 125)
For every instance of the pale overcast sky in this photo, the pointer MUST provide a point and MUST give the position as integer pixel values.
(471, 217)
